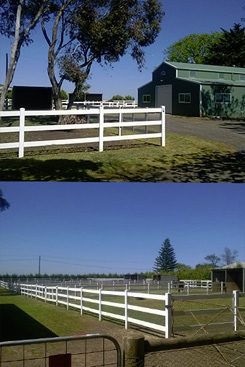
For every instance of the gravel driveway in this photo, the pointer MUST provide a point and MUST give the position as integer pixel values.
(228, 132)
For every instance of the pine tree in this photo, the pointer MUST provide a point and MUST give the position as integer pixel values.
(230, 49)
(166, 260)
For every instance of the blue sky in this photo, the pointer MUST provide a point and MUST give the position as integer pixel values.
(182, 18)
(113, 227)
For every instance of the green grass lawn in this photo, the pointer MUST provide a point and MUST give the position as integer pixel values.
(27, 318)
(183, 159)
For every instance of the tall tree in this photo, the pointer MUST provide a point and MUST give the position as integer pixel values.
(4, 204)
(102, 31)
(17, 20)
(193, 48)
(166, 260)
(230, 50)
(212, 259)
(229, 256)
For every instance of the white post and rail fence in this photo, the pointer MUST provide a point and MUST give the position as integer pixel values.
(118, 305)
(100, 137)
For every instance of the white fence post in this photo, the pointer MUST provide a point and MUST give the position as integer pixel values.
(22, 133)
(126, 307)
(101, 130)
(120, 121)
(168, 317)
(67, 298)
(81, 300)
(100, 308)
(163, 126)
(57, 290)
(45, 294)
(235, 308)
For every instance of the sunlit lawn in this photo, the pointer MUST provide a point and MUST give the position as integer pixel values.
(183, 159)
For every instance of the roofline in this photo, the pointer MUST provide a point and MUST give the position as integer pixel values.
(144, 84)
(208, 82)
(200, 69)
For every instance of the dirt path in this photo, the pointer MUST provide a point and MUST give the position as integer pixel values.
(228, 132)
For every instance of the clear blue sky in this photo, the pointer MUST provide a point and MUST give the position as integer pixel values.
(114, 227)
(182, 18)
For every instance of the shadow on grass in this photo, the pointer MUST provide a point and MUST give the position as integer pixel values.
(18, 325)
(200, 167)
(213, 167)
(50, 170)
(239, 127)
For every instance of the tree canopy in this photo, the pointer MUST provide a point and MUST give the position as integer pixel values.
(4, 204)
(166, 260)
(229, 256)
(230, 50)
(102, 31)
(17, 19)
(193, 48)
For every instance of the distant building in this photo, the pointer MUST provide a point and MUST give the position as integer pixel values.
(32, 98)
(196, 90)
(89, 97)
(232, 275)
(134, 277)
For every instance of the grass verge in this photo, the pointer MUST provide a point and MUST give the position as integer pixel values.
(183, 159)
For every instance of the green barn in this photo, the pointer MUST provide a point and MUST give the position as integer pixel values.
(196, 90)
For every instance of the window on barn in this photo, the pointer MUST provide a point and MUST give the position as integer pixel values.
(242, 76)
(192, 73)
(221, 76)
(222, 97)
(184, 97)
(146, 98)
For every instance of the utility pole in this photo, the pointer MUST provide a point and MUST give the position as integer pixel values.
(39, 265)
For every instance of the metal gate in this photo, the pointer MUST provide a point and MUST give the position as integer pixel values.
(91, 350)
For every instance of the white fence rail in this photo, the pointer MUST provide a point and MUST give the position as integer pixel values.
(21, 144)
(92, 300)
(114, 104)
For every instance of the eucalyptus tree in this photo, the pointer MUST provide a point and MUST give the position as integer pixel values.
(87, 31)
(193, 48)
(17, 19)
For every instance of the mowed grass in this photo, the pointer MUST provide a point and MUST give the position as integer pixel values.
(37, 319)
(183, 159)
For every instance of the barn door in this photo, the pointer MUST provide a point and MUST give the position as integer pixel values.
(164, 97)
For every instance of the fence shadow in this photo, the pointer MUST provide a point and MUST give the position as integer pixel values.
(18, 325)
(50, 170)
(201, 167)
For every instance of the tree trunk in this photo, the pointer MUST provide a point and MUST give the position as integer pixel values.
(14, 56)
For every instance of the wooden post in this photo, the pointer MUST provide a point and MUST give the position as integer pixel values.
(168, 317)
(21, 133)
(67, 298)
(163, 126)
(100, 306)
(235, 308)
(57, 290)
(101, 129)
(81, 300)
(133, 351)
(120, 121)
(126, 307)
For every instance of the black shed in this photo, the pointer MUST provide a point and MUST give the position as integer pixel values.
(232, 275)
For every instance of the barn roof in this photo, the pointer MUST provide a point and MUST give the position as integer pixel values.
(238, 264)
